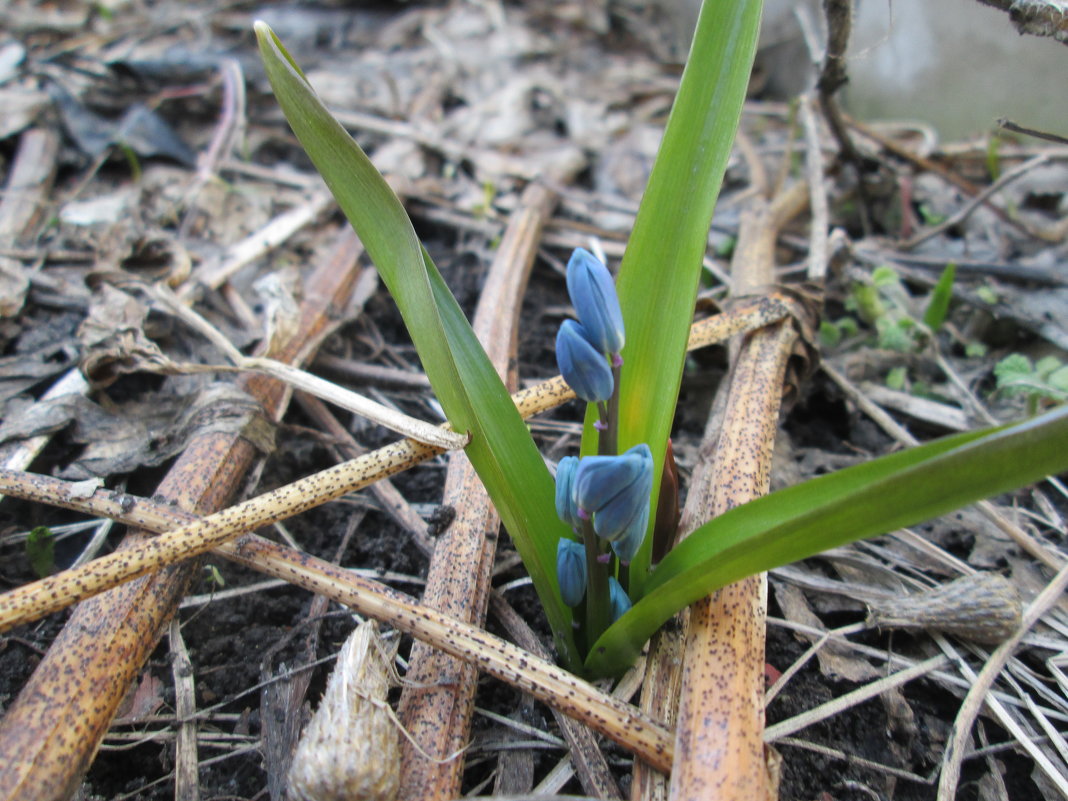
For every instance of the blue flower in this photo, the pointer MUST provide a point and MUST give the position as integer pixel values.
(617, 597)
(594, 297)
(615, 490)
(628, 543)
(566, 509)
(584, 369)
(571, 571)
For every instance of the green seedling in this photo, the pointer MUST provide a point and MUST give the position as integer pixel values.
(1043, 381)
(41, 551)
(884, 303)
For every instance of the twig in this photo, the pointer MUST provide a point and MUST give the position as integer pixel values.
(255, 245)
(817, 199)
(850, 699)
(1006, 178)
(1009, 125)
(186, 780)
(839, 16)
(1036, 17)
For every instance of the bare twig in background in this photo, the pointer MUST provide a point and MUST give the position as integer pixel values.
(1036, 17)
(956, 219)
(1009, 125)
(839, 17)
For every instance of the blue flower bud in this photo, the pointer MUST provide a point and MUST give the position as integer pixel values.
(595, 300)
(571, 571)
(584, 369)
(616, 490)
(566, 509)
(618, 599)
(632, 537)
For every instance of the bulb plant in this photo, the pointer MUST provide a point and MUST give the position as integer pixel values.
(584, 537)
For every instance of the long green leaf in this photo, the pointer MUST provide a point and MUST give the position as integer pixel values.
(469, 389)
(862, 501)
(661, 268)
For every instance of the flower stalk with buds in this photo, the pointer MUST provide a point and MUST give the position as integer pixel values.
(605, 498)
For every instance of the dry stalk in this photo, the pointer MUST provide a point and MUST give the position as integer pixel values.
(437, 706)
(615, 719)
(54, 727)
(719, 733)
(186, 779)
(39, 598)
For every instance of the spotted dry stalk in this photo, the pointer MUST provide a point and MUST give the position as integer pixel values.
(54, 727)
(718, 658)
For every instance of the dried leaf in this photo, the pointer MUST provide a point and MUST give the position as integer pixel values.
(114, 339)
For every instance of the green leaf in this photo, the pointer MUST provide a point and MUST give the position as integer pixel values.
(941, 295)
(469, 389)
(41, 551)
(987, 295)
(1045, 366)
(895, 379)
(830, 334)
(1013, 371)
(901, 489)
(661, 268)
(885, 276)
(1058, 379)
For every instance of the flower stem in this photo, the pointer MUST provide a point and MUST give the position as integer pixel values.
(597, 604)
(608, 441)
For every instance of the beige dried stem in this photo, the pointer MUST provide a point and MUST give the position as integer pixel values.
(718, 743)
(437, 703)
(53, 728)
